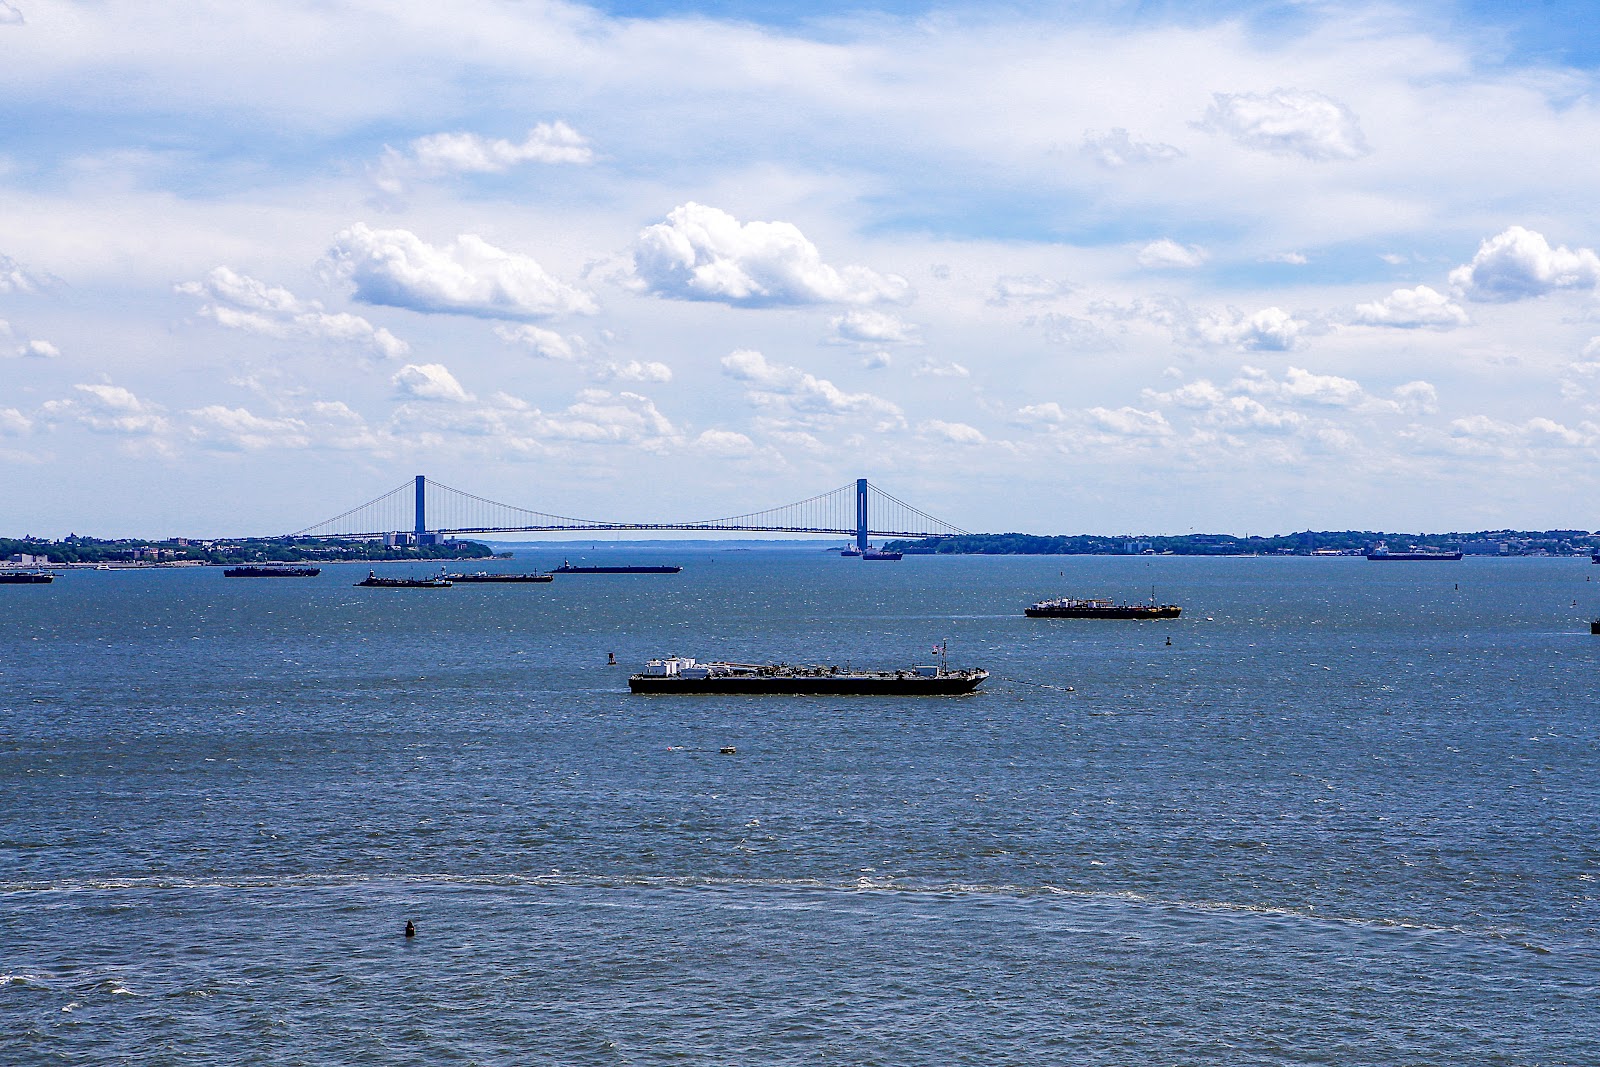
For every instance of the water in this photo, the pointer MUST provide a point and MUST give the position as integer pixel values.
(1346, 817)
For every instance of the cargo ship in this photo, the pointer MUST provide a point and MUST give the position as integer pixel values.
(568, 568)
(680, 674)
(1413, 556)
(880, 553)
(26, 577)
(372, 581)
(271, 570)
(489, 576)
(1072, 607)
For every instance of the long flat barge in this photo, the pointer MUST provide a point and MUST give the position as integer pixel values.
(686, 675)
(1069, 607)
(26, 577)
(268, 570)
(568, 568)
(489, 576)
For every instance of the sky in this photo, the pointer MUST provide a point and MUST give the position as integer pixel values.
(1101, 267)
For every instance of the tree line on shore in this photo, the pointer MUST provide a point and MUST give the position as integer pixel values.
(1487, 542)
(76, 549)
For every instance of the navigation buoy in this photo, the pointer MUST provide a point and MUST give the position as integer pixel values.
(411, 928)
(1169, 641)
(611, 659)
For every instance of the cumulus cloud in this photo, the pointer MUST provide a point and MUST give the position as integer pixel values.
(236, 429)
(1118, 149)
(1049, 413)
(954, 432)
(542, 342)
(1167, 254)
(1410, 309)
(1268, 330)
(429, 381)
(14, 423)
(1130, 422)
(396, 268)
(1294, 259)
(109, 409)
(1416, 398)
(701, 253)
(38, 350)
(240, 302)
(866, 327)
(635, 371)
(774, 384)
(1519, 263)
(469, 153)
(724, 443)
(1288, 122)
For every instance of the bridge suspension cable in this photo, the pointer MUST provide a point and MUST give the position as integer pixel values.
(424, 505)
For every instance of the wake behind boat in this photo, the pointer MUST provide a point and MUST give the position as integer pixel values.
(681, 674)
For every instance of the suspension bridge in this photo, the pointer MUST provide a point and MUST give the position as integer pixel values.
(431, 511)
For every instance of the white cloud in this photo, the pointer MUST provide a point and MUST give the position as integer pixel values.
(879, 360)
(776, 384)
(548, 142)
(955, 432)
(13, 278)
(701, 253)
(933, 368)
(542, 342)
(238, 429)
(1118, 149)
(240, 302)
(1294, 259)
(1130, 422)
(1027, 288)
(429, 381)
(470, 153)
(867, 327)
(1049, 413)
(1288, 122)
(1519, 263)
(724, 443)
(1412, 308)
(1268, 330)
(38, 350)
(1168, 254)
(1416, 398)
(1329, 390)
(10, 16)
(397, 268)
(109, 409)
(14, 423)
(635, 371)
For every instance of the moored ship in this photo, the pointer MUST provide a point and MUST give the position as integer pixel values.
(373, 581)
(271, 570)
(8, 577)
(1072, 607)
(1380, 552)
(568, 568)
(681, 674)
(491, 576)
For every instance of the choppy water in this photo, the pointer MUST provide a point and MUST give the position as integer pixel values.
(1346, 817)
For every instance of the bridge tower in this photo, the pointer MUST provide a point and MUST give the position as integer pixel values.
(861, 514)
(422, 506)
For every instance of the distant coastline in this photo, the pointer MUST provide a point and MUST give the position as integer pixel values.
(184, 551)
(1307, 543)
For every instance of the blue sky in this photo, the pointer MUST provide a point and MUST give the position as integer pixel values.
(1049, 267)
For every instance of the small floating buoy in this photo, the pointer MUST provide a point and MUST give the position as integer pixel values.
(728, 750)
(411, 928)
(1169, 640)
(611, 659)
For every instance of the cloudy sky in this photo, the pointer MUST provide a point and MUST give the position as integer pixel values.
(1051, 267)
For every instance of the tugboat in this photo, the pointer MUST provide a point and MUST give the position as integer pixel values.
(567, 568)
(271, 570)
(1071, 607)
(680, 674)
(372, 581)
(1594, 626)
(8, 577)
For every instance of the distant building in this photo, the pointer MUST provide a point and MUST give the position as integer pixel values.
(1483, 548)
(1135, 548)
(24, 559)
